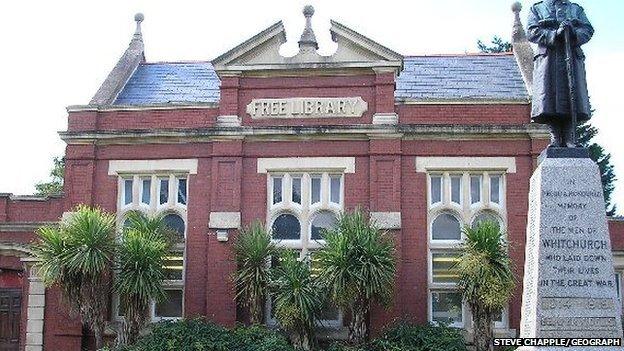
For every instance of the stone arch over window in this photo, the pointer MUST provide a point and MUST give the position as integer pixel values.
(446, 226)
(176, 223)
(487, 215)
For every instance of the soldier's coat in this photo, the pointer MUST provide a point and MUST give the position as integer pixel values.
(550, 80)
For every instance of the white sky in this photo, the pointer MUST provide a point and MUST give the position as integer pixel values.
(57, 53)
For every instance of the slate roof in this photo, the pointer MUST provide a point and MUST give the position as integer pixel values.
(424, 78)
(461, 77)
(175, 83)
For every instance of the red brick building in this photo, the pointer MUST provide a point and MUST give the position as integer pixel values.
(426, 143)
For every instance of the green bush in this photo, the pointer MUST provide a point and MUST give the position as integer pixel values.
(199, 335)
(406, 337)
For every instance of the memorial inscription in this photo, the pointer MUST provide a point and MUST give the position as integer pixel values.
(569, 278)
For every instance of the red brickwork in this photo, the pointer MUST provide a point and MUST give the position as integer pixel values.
(616, 229)
(385, 180)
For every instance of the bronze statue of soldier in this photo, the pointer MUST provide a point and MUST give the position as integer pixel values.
(560, 98)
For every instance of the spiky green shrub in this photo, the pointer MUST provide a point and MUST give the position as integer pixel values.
(485, 277)
(143, 247)
(357, 263)
(77, 256)
(253, 249)
(297, 299)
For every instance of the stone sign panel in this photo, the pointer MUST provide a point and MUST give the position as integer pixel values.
(569, 283)
(307, 108)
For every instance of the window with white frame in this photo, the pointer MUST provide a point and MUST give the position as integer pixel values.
(299, 207)
(166, 195)
(455, 200)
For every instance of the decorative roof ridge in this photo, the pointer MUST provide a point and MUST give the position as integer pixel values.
(175, 62)
(468, 54)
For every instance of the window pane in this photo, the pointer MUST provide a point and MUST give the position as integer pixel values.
(446, 307)
(446, 227)
(146, 191)
(175, 223)
(456, 189)
(495, 189)
(277, 190)
(296, 190)
(174, 266)
(164, 191)
(497, 317)
(486, 217)
(316, 190)
(127, 191)
(475, 189)
(172, 306)
(436, 189)
(335, 189)
(286, 227)
(443, 268)
(182, 191)
(323, 220)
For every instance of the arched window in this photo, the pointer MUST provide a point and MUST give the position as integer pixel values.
(286, 227)
(322, 221)
(176, 223)
(486, 216)
(446, 227)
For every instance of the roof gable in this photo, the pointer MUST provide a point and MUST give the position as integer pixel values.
(261, 52)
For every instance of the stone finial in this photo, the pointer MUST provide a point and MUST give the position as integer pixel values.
(521, 48)
(308, 39)
(138, 18)
(518, 30)
(127, 64)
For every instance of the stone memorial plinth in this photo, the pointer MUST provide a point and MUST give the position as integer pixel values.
(569, 282)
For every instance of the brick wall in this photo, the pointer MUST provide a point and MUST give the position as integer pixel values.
(616, 229)
(227, 181)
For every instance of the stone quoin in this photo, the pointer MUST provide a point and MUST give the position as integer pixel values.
(427, 144)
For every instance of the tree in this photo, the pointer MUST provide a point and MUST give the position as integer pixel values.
(586, 133)
(485, 277)
(77, 257)
(143, 247)
(498, 46)
(357, 263)
(253, 249)
(297, 299)
(55, 186)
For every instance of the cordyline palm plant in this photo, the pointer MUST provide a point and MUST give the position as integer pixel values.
(77, 257)
(297, 299)
(357, 264)
(253, 250)
(485, 277)
(143, 247)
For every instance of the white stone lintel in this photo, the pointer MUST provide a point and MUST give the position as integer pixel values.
(341, 164)
(116, 167)
(228, 121)
(427, 164)
(225, 220)
(387, 220)
(386, 118)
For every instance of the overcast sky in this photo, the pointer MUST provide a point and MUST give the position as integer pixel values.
(57, 53)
